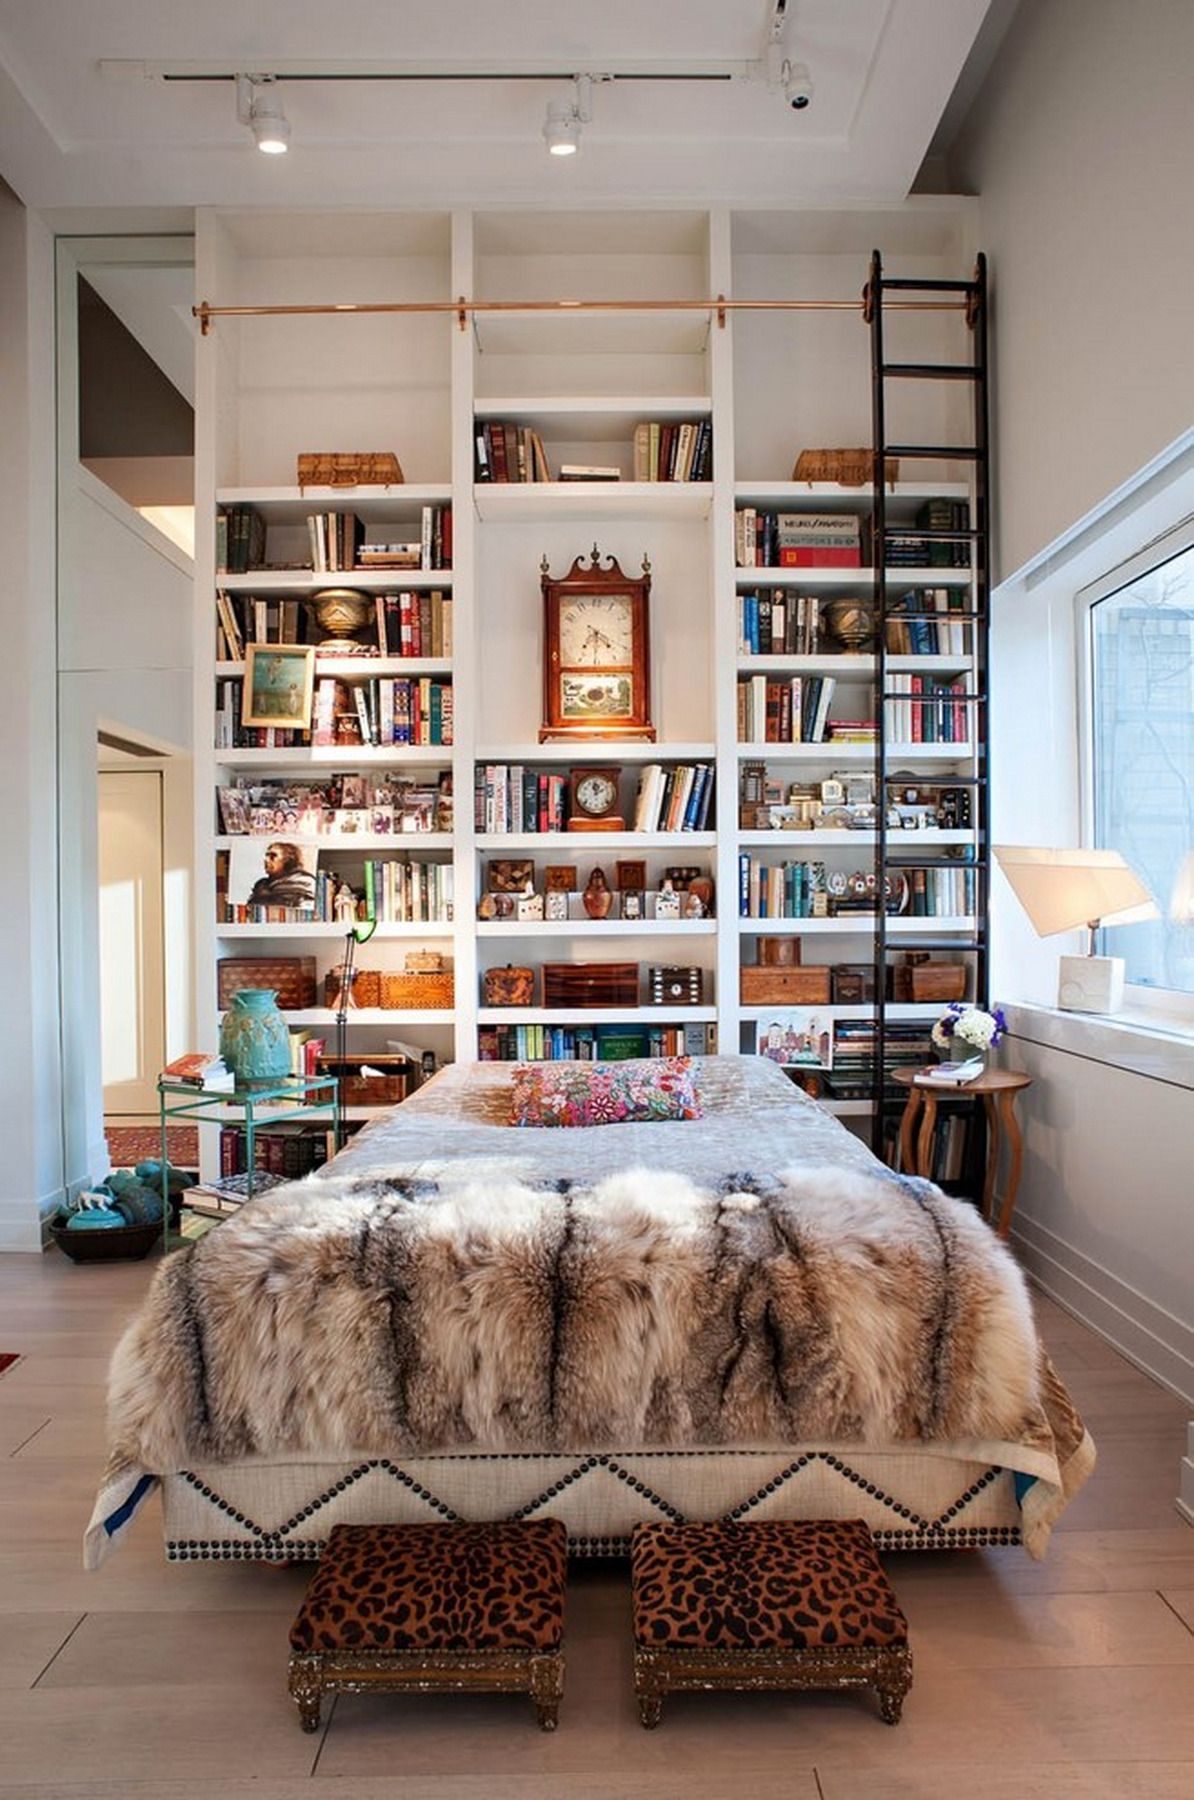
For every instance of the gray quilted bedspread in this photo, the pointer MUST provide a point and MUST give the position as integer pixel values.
(755, 1119)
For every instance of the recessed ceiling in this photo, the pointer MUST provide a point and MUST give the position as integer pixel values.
(88, 119)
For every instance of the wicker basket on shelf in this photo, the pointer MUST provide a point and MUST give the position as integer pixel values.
(849, 468)
(348, 468)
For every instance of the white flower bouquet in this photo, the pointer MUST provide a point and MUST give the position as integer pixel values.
(982, 1030)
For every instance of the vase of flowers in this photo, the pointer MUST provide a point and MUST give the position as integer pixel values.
(964, 1031)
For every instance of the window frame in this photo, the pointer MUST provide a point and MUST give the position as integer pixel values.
(1165, 1005)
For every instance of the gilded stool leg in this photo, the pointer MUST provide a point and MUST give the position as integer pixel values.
(306, 1689)
(648, 1692)
(547, 1689)
(893, 1678)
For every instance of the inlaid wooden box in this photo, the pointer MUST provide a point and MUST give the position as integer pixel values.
(292, 978)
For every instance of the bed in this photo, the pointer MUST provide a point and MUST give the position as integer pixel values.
(743, 1316)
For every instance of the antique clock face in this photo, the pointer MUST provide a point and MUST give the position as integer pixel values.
(596, 657)
(595, 793)
(593, 800)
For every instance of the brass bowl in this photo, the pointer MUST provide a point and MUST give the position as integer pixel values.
(851, 623)
(340, 613)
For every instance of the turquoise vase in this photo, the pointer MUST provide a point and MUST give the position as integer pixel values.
(254, 1039)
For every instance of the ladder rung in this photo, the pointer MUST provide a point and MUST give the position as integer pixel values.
(931, 371)
(905, 285)
(935, 452)
(958, 532)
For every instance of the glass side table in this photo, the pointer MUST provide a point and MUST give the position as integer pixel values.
(294, 1097)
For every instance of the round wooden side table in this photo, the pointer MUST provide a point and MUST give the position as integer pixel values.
(998, 1088)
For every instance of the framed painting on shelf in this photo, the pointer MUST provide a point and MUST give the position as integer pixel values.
(797, 1037)
(279, 684)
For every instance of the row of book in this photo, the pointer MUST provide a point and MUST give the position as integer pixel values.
(230, 734)
(794, 711)
(402, 891)
(934, 712)
(504, 451)
(675, 798)
(788, 890)
(336, 542)
(613, 1043)
(804, 540)
(667, 450)
(907, 1045)
(509, 797)
(778, 622)
(389, 710)
(289, 1150)
(942, 890)
(919, 622)
(935, 514)
(952, 1146)
(406, 624)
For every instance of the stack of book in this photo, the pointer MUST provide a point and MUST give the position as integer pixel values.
(935, 515)
(934, 712)
(765, 540)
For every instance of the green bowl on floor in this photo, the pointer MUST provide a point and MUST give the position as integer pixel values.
(115, 1243)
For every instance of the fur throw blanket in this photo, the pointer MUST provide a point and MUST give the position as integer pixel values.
(351, 1315)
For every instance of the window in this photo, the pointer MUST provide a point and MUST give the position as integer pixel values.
(1141, 762)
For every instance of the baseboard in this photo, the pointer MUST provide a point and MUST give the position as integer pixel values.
(1159, 1344)
(23, 1222)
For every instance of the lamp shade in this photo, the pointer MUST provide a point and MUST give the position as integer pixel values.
(1060, 889)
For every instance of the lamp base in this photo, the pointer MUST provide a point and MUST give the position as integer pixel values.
(1093, 984)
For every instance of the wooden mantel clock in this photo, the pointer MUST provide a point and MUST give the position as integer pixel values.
(596, 653)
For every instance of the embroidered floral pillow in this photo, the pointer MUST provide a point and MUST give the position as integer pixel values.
(619, 1093)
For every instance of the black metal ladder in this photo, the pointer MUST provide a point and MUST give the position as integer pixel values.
(973, 371)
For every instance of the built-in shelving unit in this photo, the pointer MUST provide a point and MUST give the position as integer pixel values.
(770, 384)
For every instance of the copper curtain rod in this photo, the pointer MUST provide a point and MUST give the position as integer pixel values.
(205, 313)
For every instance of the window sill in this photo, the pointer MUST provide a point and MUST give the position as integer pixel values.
(1128, 1041)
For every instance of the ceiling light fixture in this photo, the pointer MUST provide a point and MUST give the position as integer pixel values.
(561, 127)
(258, 107)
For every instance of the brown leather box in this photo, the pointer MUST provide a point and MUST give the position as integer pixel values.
(292, 978)
(807, 986)
(590, 984)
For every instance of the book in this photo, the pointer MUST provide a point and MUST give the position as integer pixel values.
(589, 472)
(199, 1068)
(952, 1074)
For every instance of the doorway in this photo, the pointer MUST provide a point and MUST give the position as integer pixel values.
(131, 941)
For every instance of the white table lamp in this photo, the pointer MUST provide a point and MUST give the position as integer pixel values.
(1063, 889)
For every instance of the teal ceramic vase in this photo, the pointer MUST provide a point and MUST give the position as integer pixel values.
(254, 1039)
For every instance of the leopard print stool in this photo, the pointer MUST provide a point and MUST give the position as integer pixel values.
(774, 1604)
(434, 1608)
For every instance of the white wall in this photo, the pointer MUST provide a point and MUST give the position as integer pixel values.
(1080, 148)
(30, 1093)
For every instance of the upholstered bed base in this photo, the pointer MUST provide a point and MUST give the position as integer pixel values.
(281, 1511)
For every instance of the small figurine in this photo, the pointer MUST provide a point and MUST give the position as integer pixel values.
(344, 905)
(632, 903)
(597, 897)
(693, 906)
(667, 901)
(530, 904)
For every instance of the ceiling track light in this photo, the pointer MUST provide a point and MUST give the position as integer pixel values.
(258, 107)
(561, 127)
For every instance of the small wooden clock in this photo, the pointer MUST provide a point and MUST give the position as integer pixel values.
(596, 652)
(593, 800)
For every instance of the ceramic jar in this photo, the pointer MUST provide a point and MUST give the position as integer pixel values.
(254, 1039)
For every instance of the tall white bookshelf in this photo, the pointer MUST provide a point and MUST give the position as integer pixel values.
(771, 383)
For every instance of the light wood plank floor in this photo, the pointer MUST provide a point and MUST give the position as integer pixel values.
(1074, 1677)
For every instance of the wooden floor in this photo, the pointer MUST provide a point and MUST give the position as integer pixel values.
(1070, 1678)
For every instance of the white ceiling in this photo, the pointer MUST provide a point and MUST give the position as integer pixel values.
(76, 134)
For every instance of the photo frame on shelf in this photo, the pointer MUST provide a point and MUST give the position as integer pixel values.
(272, 871)
(279, 685)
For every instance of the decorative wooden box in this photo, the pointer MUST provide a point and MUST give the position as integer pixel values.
(670, 986)
(851, 984)
(366, 987)
(929, 981)
(510, 986)
(348, 468)
(761, 986)
(590, 984)
(393, 1081)
(416, 990)
(292, 978)
(850, 468)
